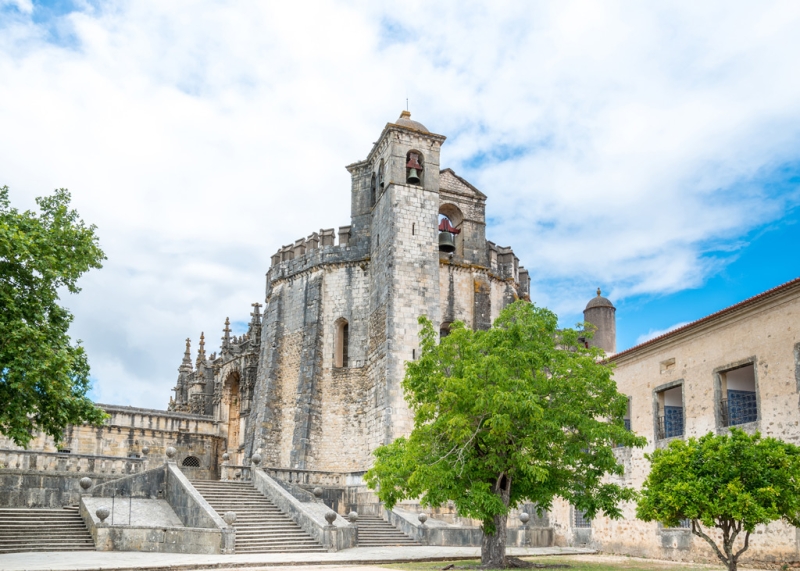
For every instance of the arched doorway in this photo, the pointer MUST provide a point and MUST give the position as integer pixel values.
(231, 408)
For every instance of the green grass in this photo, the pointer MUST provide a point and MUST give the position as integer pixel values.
(576, 563)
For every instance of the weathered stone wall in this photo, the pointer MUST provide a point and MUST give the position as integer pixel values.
(764, 332)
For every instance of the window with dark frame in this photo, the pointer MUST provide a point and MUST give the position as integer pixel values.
(738, 400)
(579, 519)
(670, 422)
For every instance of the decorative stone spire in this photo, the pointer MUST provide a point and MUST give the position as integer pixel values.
(256, 315)
(598, 292)
(201, 352)
(226, 338)
(186, 364)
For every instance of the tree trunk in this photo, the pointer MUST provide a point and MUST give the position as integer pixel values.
(493, 546)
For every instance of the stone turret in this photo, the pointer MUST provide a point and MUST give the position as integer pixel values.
(601, 313)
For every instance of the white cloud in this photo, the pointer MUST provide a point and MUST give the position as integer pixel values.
(623, 142)
(652, 334)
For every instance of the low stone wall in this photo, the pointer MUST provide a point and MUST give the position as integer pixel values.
(440, 533)
(202, 529)
(36, 489)
(154, 527)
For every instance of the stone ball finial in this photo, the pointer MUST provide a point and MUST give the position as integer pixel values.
(352, 516)
(171, 452)
(318, 492)
(255, 459)
(145, 450)
(423, 517)
(524, 518)
(229, 518)
(102, 512)
(85, 483)
(226, 457)
(330, 517)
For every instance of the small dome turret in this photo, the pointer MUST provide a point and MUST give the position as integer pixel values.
(405, 121)
(599, 301)
(601, 313)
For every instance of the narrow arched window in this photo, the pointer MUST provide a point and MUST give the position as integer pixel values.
(372, 192)
(341, 343)
(380, 176)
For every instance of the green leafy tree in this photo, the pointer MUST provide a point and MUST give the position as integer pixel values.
(730, 482)
(43, 377)
(523, 411)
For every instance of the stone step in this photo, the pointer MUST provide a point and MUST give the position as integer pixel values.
(24, 530)
(260, 525)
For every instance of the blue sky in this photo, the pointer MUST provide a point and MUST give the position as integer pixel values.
(624, 145)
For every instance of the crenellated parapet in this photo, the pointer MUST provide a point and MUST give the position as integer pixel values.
(319, 248)
(504, 263)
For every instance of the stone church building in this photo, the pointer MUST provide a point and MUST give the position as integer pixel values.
(300, 401)
(315, 382)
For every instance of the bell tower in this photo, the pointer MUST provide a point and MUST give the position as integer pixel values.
(395, 198)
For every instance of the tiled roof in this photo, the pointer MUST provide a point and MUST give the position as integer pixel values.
(731, 309)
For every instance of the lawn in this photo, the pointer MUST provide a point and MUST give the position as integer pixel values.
(575, 562)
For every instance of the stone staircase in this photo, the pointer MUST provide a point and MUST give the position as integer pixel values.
(260, 525)
(374, 531)
(23, 530)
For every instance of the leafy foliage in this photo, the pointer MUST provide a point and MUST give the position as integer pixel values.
(731, 482)
(523, 411)
(43, 377)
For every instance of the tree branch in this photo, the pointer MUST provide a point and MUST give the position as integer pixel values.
(746, 545)
(698, 531)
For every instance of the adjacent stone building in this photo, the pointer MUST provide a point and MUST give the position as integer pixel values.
(737, 367)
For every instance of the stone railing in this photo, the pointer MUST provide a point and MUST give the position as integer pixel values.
(308, 477)
(233, 472)
(68, 462)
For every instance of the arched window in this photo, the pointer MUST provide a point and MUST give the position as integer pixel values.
(444, 330)
(380, 176)
(372, 192)
(341, 343)
(414, 167)
(191, 461)
(451, 239)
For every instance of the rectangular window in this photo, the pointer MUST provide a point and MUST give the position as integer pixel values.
(670, 412)
(738, 402)
(580, 519)
(627, 420)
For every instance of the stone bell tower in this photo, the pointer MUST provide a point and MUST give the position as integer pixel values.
(395, 198)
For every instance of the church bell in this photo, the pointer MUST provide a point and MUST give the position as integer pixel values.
(413, 167)
(447, 242)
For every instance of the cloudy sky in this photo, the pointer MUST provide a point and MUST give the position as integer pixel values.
(652, 149)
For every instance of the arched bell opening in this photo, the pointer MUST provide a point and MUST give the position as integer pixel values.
(450, 220)
(414, 167)
(341, 343)
(231, 408)
(380, 177)
(372, 191)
